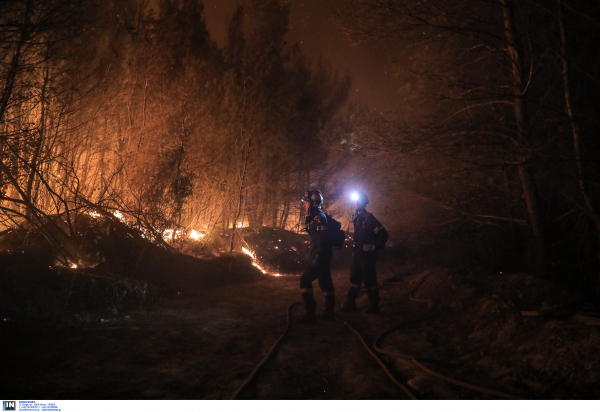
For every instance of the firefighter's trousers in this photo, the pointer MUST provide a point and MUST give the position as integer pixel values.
(319, 267)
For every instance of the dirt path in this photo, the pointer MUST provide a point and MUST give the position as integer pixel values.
(204, 344)
(200, 345)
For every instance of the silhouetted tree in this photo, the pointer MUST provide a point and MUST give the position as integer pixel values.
(491, 99)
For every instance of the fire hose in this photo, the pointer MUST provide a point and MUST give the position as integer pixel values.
(385, 369)
(268, 356)
(419, 364)
(401, 355)
(264, 361)
(433, 373)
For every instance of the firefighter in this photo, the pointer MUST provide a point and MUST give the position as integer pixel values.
(319, 260)
(369, 236)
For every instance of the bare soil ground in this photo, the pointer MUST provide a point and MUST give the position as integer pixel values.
(202, 340)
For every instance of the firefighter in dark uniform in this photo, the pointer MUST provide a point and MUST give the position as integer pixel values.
(369, 236)
(319, 260)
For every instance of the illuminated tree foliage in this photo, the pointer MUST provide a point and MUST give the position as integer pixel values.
(120, 106)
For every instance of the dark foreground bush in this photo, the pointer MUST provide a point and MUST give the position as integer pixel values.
(115, 270)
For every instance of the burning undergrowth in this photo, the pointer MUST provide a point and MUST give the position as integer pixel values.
(278, 251)
(106, 267)
(274, 252)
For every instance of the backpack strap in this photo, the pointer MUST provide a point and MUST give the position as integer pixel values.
(321, 227)
(366, 217)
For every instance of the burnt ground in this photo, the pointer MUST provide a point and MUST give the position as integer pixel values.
(513, 333)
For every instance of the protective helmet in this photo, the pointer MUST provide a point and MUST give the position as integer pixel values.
(362, 198)
(314, 197)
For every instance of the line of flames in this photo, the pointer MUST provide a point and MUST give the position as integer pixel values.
(170, 233)
(255, 262)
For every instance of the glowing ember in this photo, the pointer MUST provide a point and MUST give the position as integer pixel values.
(73, 266)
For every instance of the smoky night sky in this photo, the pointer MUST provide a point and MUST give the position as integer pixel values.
(369, 64)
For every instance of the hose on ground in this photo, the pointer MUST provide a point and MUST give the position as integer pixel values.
(386, 370)
(420, 365)
(378, 349)
(439, 375)
(411, 295)
(264, 361)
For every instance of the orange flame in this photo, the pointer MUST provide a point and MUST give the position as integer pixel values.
(255, 262)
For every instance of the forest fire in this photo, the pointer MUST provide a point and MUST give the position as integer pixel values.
(168, 234)
(255, 262)
(144, 142)
(195, 235)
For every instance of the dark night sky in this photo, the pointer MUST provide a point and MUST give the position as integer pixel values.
(369, 65)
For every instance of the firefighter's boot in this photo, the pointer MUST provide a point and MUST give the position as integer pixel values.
(328, 314)
(311, 305)
(373, 294)
(350, 304)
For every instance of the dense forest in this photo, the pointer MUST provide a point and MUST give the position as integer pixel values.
(130, 109)
(123, 108)
(496, 130)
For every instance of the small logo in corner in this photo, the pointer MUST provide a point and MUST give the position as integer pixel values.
(9, 405)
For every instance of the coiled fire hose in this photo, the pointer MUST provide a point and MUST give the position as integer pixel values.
(421, 366)
(264, 361)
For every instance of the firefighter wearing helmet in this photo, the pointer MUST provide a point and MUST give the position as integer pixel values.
(319, 260)
(369, 236)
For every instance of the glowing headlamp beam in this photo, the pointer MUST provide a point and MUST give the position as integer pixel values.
(354, 196)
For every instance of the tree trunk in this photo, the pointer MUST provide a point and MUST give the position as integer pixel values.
(33, 164)
(241, 202)
(247, 136)
(576, 130)
(538, 244)
(273, 206)
(516, 241)
(284, 214)
(11, 76)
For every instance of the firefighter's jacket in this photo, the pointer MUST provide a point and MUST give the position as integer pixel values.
(316, 225)
(369, 234)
